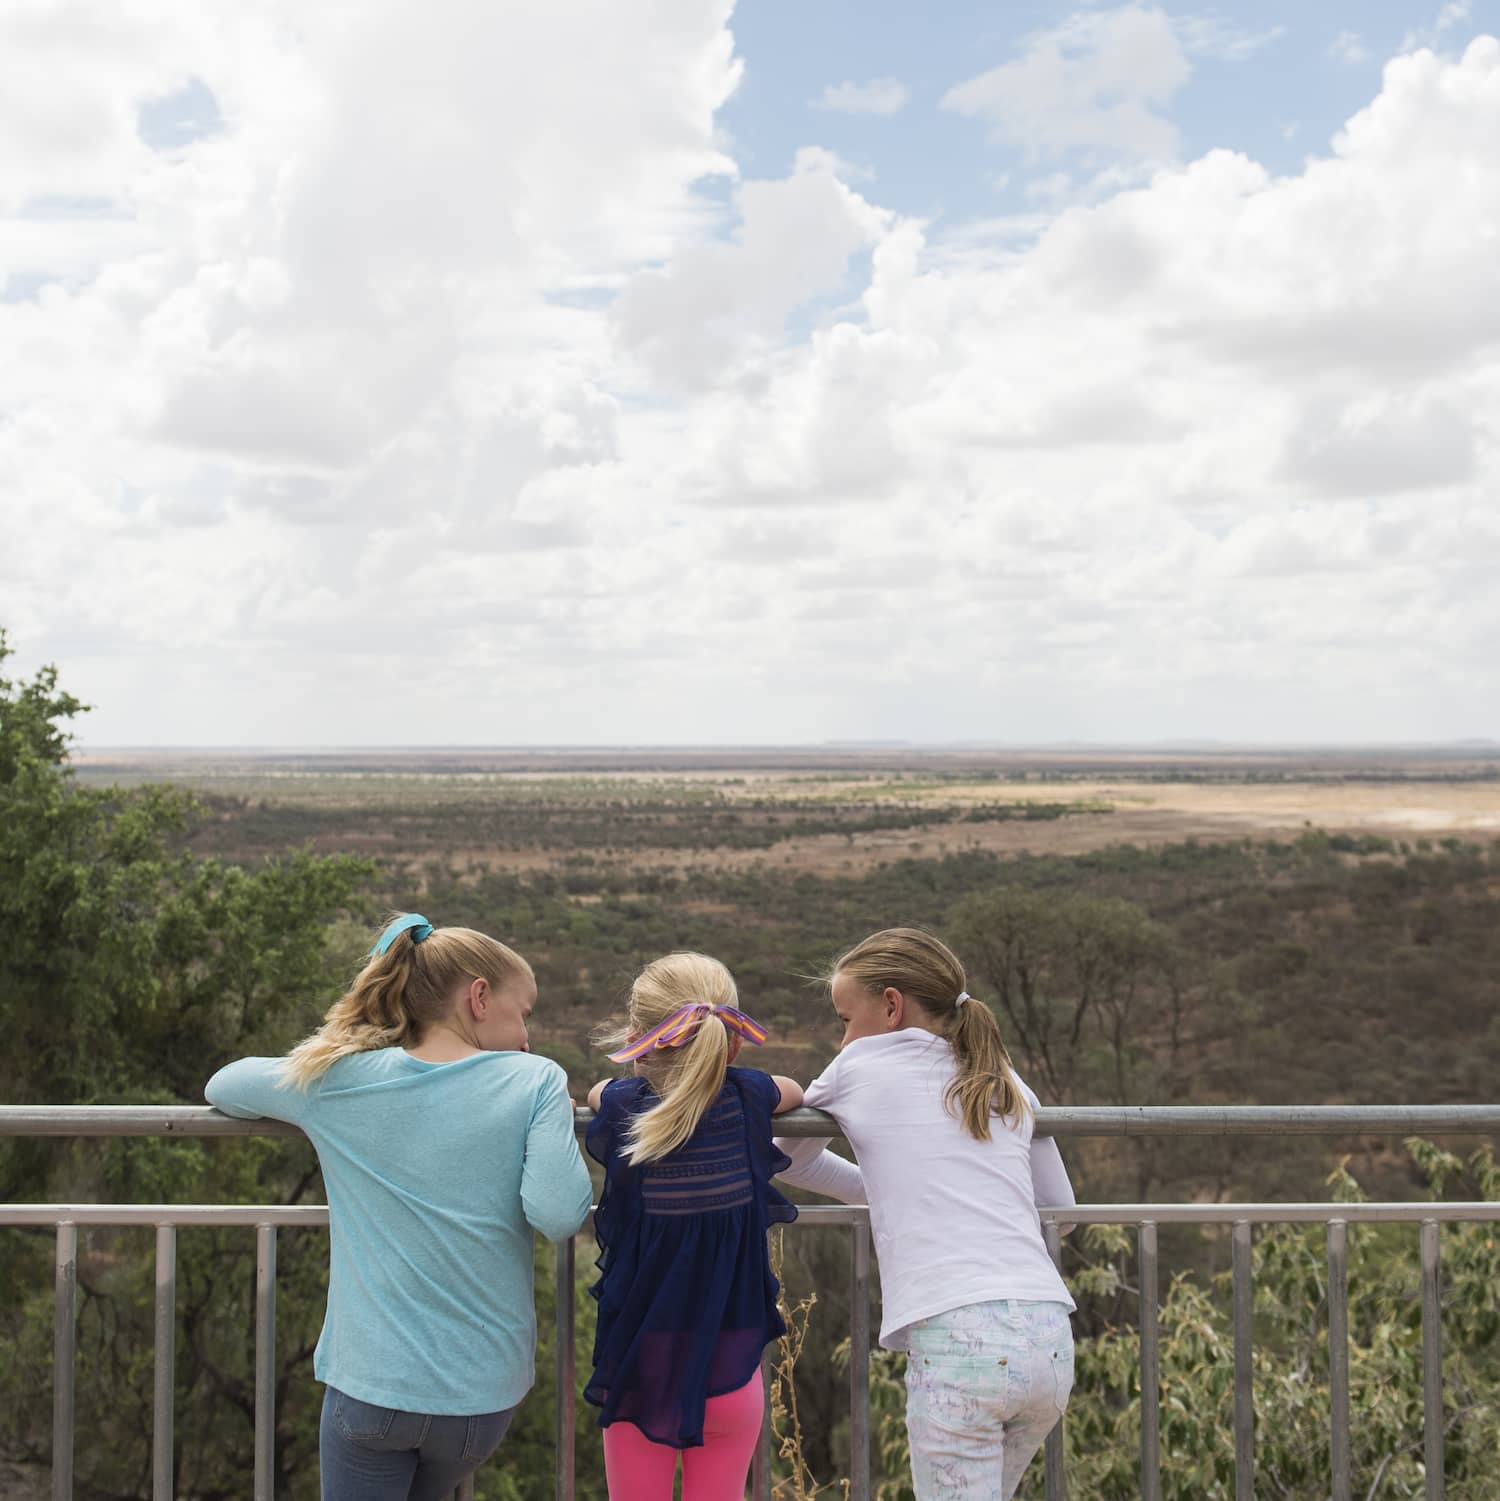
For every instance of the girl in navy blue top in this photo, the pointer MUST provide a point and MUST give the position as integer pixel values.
(687, 1301)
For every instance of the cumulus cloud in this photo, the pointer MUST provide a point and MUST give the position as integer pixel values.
(1097, 84)
(500, 383)
(880, 96)
(1381, 446)
(792, 243)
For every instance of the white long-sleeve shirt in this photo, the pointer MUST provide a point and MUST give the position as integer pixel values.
(954, 1219)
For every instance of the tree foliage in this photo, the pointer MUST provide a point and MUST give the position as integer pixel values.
(130, 971)
(1084, 984)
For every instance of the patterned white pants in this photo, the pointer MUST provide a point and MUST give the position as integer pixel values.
(985, 1384)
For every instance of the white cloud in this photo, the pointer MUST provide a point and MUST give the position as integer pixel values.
(1347, 47)
(342, 423)
(1099, 84)
(713, 301)
(1095, 84)
(880, 96)
(1454, 14)
(1212, 36)
(1383, 445)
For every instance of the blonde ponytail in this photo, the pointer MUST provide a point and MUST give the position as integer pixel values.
(926, 971)
(687, 1079)
(691, 1083)
(399, 994)
(370, 1015)
(985, 1085)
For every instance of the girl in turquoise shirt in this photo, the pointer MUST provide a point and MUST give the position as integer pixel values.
(444, 1145)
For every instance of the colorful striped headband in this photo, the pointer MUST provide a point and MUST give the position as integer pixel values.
(683, 1022)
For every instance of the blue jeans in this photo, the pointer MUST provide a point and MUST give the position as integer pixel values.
(369, 1453)
(985, 1384)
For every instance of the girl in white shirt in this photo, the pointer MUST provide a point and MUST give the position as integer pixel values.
(924, 1092)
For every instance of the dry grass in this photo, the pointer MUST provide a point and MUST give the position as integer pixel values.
(799, 1483)
(1149, 814)
(1117, 798)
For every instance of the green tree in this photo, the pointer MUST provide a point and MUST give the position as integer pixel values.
(1080, 982)
(1093, 997)
(131, 970)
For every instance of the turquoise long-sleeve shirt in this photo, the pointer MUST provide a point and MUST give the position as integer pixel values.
(437, 1174)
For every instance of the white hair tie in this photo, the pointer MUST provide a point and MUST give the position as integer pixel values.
(965, 996)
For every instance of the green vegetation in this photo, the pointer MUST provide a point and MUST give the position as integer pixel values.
(129, 972)
(515, 817)
(1290, 1343)
(151, 937)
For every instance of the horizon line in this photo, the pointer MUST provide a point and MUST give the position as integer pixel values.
(1469, 743)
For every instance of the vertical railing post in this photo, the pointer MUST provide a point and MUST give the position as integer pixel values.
(859, 1361)
(760, 1466)
(566, 1368)
(1053, 1461)
(1432, 1363)
(1244, 1379)
(166, 1328)
(1338, 1357)
(265, 1363)
(64, 1336)
(1150, 1319)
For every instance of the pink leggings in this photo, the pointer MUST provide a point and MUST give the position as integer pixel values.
(639, 1470)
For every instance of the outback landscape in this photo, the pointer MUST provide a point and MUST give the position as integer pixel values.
(819, 811)
(1243, 870)
(1214, 881)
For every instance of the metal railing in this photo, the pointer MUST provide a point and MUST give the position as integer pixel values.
(267, 1220)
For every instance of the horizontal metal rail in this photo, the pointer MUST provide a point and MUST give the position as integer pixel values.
(315, 1216)
(1416, 1212)
(1058, 1120)
(311, 1216)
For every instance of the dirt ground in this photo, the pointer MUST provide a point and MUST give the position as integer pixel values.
(1142, 814)
(1126, 797)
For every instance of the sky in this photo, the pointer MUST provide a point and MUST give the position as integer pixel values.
(685, 372)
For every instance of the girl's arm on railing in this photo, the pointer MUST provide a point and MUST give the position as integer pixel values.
(1050, 1184)
(1049, 1178)
(791, 1094)
(556, 1194)
(820, 1171)
(251, 1088)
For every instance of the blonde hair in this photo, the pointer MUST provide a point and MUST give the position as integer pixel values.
(399, 994)
(927, 971)
(688, 1079)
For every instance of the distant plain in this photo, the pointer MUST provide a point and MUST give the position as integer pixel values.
(818, 810)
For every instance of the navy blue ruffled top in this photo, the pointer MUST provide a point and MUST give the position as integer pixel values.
(687, 1300)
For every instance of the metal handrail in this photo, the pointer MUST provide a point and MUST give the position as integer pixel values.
(1055, 1120)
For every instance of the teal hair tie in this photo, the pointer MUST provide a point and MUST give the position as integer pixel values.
(420, 929)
